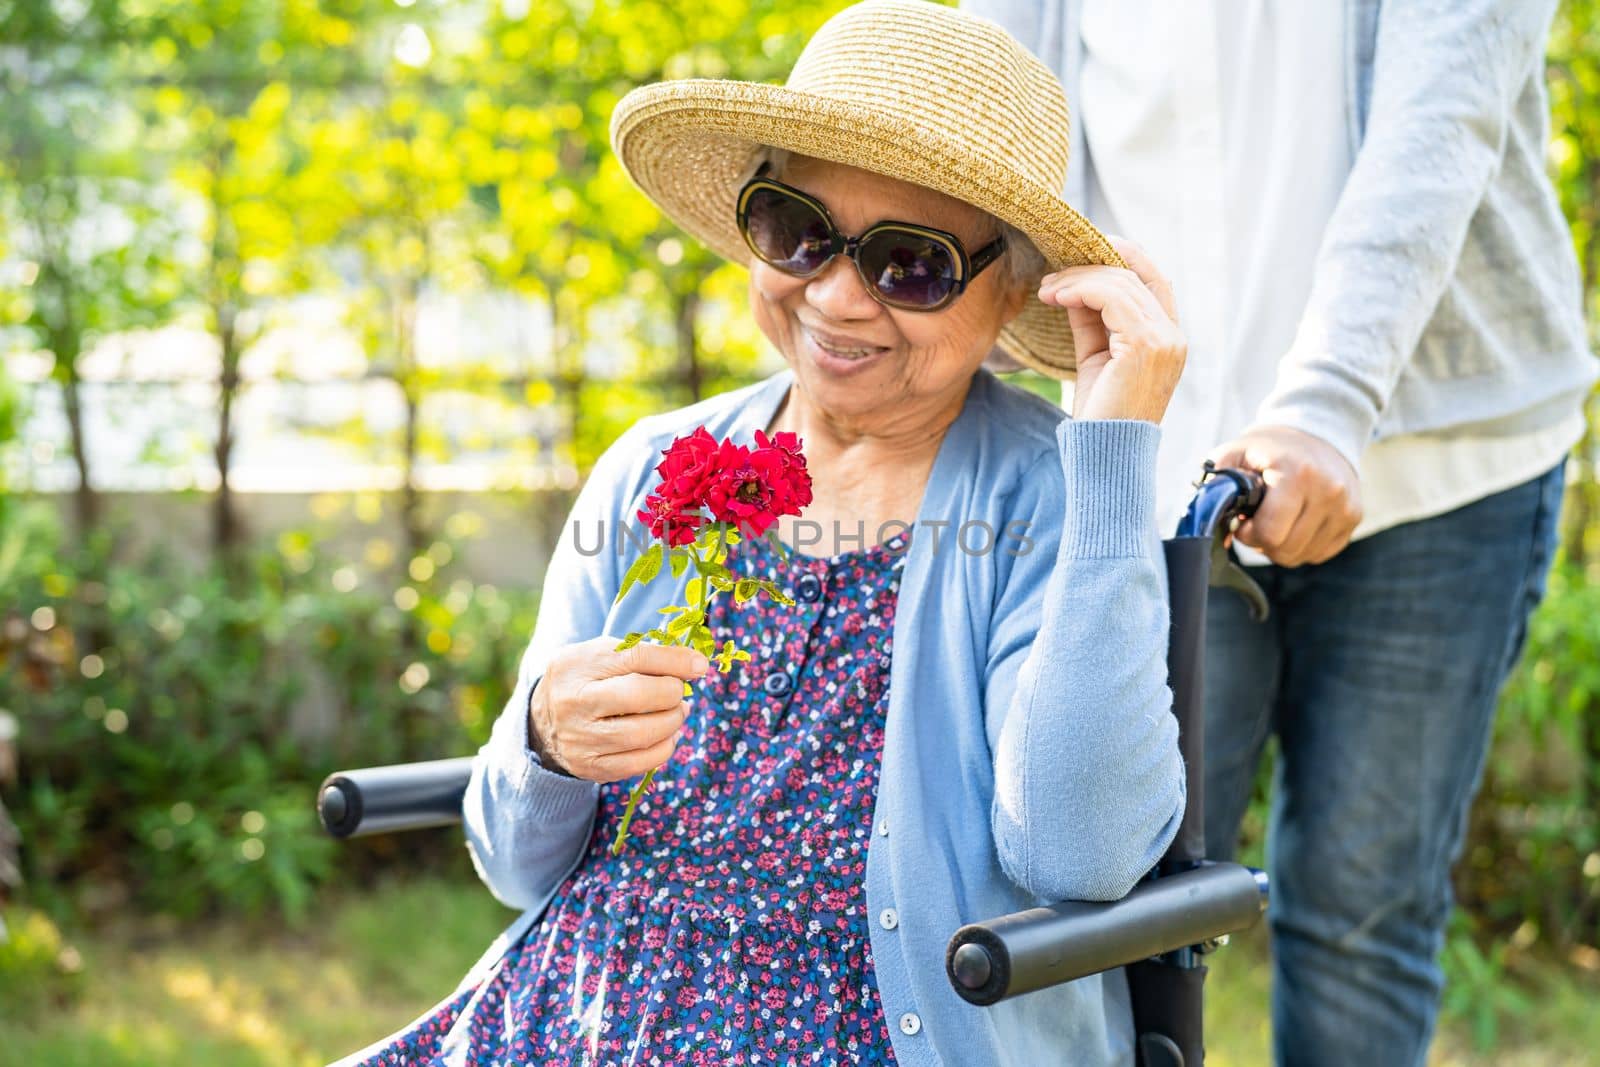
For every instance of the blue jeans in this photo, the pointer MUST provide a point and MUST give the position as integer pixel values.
(1378, 671)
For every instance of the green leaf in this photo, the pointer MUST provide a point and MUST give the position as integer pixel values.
(697, 591)
(629, 641)
(730, 655)
(643, 570)
(680, 561)
(683, 622)
(776, 594)
(745, 589)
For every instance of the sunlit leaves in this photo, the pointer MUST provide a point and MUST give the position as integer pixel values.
(298, 151)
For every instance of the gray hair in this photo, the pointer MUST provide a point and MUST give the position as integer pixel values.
(1020, 265)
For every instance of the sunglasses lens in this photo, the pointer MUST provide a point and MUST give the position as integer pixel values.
(788, 233)
(909, 270)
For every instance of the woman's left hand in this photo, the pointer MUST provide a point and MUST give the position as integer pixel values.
(1125, 333)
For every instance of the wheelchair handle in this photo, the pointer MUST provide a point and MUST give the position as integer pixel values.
(990, 961)
(1222, 494)
(405, 796)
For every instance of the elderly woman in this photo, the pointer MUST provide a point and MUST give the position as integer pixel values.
(947, 725)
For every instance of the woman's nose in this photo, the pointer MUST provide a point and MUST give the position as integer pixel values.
(839, 293)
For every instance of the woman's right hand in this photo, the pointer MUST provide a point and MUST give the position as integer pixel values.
(605, 715)
(1125, 333)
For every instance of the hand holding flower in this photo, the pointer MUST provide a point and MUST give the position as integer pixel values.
(604, 715)
(712, 494)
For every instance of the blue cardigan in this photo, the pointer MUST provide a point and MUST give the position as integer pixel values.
(1029, 753)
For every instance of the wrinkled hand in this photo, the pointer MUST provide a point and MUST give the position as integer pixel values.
(1125, 333)
(605, 715)
(1313, 501)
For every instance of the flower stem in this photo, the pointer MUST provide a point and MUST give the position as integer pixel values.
(644, 783)
(717, 552)
(627, 815)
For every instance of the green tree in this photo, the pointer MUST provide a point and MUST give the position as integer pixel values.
(213, 81)
(1574, 79)
(94, 245)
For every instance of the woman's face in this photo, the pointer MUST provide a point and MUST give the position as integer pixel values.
(860, 363)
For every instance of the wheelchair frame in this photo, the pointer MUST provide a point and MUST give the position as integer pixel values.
(1161, 931)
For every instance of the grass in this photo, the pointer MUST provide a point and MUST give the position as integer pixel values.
(234, 995)
(251, 996)
(1557, 1025)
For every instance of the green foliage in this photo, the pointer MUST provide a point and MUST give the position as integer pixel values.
(173, 764)
(248, 994)
(9, 409)
(249, 153)
(39, 970)
(10, 418)
(1478, 991)
(1574, 159)
(1532, 865)
(1574, 81)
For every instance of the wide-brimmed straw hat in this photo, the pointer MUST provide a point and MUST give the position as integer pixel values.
(907, 88)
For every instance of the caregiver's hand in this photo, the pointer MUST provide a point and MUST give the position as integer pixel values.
(1125, 333)
(605, 715)
(1313, 501)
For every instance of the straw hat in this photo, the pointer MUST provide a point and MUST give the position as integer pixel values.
(920, 92)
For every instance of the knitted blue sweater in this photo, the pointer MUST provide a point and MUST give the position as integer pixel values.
(1029, 753)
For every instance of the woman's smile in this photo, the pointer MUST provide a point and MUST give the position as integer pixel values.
(839, 354)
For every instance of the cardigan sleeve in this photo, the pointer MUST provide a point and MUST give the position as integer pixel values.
(1089, 784)
(1446, 77)
(525, 824)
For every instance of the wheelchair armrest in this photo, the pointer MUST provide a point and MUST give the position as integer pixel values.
(405, 796)
(1015, 954)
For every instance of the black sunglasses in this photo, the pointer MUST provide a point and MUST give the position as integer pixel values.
(906, 266)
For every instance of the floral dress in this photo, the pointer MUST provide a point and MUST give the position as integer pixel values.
(733, 927)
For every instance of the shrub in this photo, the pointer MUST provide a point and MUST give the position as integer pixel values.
(166, 759)
(38, 969)
(1532, 862)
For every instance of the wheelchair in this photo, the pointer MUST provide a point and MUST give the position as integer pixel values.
(1161, 932)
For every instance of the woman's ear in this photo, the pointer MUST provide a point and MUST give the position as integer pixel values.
(1015, 298)
(1012, 301)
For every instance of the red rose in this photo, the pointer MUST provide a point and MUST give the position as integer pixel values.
(669, 521)
(782, 452)
(772, 481)
(690, 465)
(783, 441)
(749, 488)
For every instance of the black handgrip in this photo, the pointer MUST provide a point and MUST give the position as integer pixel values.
(1252, 487)
(405, 796)
(1222, 495)
(1015, 954)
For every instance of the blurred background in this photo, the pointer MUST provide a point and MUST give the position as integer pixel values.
(313, 317)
